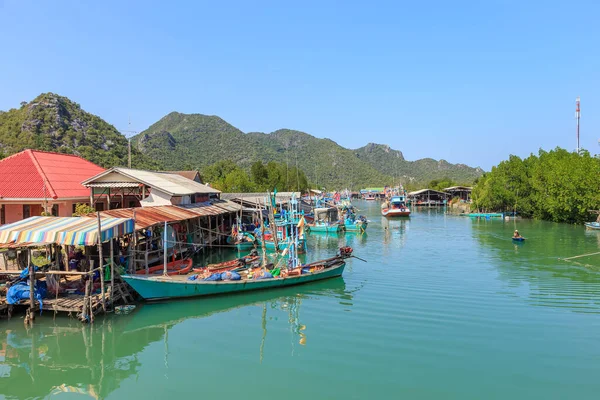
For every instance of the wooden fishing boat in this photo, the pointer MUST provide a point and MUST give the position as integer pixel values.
(395, 207)
(592, 225)
(178, 267)
(228, 265)
(246, 242)
(161, 287)
(357, 225)
(324, 227)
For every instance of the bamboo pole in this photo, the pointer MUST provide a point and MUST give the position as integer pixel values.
(101, 266)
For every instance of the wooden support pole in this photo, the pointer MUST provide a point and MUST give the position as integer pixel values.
(133, 244)
(84, 310)
(101, 266)
(31, 281)
(165, 250)
(210, 231)
(112, 272)
(146, 254)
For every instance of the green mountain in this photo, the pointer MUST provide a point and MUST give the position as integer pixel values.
(55, 123)
(185, 141)
(387, 160)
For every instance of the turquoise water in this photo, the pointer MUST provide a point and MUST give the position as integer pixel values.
(446, 307)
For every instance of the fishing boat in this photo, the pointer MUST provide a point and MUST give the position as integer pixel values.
(242, 241)
(325, 227)
(370, 197)
(178, 267)
(395, 207)
(161, 287)
(353, 222)
(282, 243)
(229, 265)
(592, 225)
(356, 225)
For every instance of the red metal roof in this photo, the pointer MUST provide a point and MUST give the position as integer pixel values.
(148, 216)
(34, 174)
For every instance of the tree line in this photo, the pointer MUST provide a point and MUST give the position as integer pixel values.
(227, 176)
(558, 185)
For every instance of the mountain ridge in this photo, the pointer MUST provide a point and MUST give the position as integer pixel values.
(206, 139)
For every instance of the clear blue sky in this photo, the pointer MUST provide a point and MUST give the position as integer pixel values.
(469, 82)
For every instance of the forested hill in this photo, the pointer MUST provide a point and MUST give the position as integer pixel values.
(55, 123)
(391, 161)
(184, 141)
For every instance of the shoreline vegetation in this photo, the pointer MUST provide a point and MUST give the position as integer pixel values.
(556, 185)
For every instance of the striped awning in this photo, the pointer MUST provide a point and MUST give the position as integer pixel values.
(64, 230)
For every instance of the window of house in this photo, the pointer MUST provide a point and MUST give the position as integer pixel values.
(26, 211)
(99, 206)
(2, 215)
(54, 210)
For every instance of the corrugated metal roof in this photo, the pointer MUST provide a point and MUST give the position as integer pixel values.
(37, 174)
(226, 205)
(187, 174)
(149, 216)
(170, 183)
(453, 188)
(280, 195)
(424, 191)
(114, 185)
(204, 209)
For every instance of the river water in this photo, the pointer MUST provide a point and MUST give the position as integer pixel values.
(446, 307)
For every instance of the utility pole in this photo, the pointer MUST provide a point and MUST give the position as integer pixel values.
(577, 116)
(129, 142)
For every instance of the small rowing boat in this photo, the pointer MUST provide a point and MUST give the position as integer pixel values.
(228, 265)
(178, 267)
(592, 225)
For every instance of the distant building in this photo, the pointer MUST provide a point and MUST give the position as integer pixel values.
(192, 175)
(34, 181)
(125, 187)
(462, 192)
(428, 198)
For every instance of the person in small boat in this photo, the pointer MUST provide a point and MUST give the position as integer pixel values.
(517, 235)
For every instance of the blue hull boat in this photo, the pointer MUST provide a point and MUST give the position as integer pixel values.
(325, 228)
(519, 239)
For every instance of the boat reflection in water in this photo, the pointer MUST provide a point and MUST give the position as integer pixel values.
(64, 356)
(394, 231)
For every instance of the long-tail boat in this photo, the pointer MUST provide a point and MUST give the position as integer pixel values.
(164, 287)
